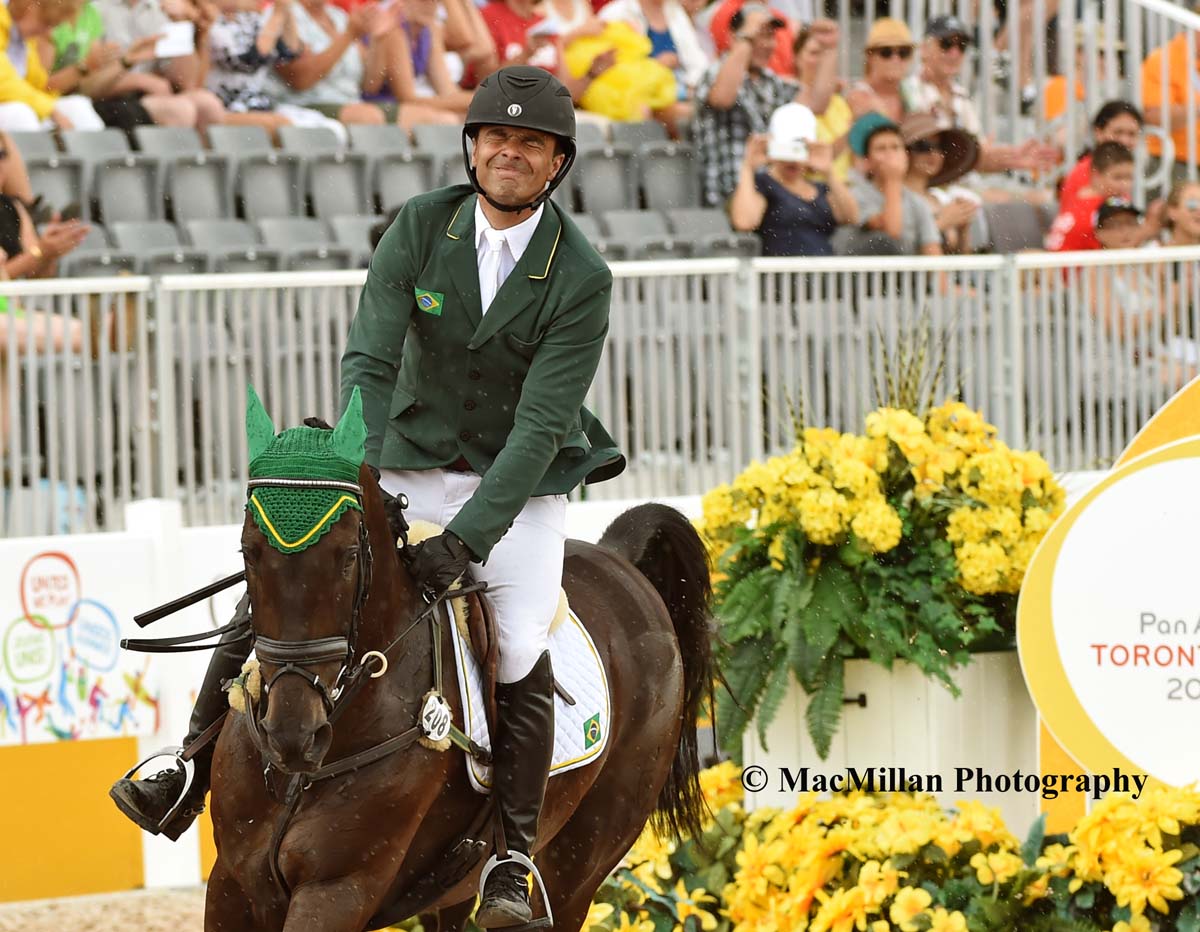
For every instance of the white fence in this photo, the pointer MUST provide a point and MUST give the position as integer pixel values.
(707, 361)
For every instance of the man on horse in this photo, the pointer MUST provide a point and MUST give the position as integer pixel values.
(476, 340)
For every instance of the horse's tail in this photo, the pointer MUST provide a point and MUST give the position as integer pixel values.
(662, 543)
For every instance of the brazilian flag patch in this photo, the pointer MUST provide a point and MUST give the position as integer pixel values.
(591, 731)
(430, 301)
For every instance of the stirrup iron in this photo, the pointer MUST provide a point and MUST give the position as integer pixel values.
(189, 771)
(547, 921)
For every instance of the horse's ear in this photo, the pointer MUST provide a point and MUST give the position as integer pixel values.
(350, 435)
(260, 430)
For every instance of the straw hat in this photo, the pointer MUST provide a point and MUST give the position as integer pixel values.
(960, 150)
(887, 31)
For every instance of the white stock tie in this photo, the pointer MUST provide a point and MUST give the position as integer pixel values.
(490, 278)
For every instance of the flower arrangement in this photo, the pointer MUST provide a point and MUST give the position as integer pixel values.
(875, 864)
(908, 542)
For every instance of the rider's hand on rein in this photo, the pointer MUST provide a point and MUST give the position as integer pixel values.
(437, 562)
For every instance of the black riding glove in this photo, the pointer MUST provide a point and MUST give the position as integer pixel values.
(437, 562)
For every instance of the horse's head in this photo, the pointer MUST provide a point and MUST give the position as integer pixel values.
(308, 565)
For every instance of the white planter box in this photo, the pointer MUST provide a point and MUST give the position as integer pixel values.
(913, 723)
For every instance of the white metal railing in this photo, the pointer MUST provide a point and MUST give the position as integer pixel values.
(706, 363)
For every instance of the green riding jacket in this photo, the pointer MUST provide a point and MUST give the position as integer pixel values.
(441, 380)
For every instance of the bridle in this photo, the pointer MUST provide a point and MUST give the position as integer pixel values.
(295, 657)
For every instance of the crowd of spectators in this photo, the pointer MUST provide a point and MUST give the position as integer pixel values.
(786, 143)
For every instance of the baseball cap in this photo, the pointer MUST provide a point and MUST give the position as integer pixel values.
(1112, 207)
(865, 127)
(775, 22)
(793, 126)
(943, 27)
(887, 31)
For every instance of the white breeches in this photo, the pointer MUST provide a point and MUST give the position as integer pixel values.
(20, 118)
(524, 570)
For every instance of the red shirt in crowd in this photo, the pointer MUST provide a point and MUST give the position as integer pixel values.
(1074, 227)
(1076, 181)
(782, 61)
(509, 35)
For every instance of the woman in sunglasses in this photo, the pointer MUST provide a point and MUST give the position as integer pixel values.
(937, 157)
(889, 52)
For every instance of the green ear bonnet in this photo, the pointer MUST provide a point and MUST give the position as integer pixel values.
(293, 519)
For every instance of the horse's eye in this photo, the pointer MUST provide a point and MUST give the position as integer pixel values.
(349, 561)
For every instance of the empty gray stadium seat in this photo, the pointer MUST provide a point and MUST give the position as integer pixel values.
(1013, 227)
(589, 136)
(197, 184)
(305, 243)
(354, 232)
(443, 145)
(636, 135)
(334, 180)
(60, 179)
(710, 234)
(158, 249)
(589, 227)
(124, 184)
(94, 257)
(267, 181)
(669, 175)
(232, 246)
(646, 233)
(394, 171)
(604, 179)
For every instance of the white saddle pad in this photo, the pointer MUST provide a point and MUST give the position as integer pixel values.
(580, 731)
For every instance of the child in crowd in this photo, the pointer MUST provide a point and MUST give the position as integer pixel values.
(1111, 175)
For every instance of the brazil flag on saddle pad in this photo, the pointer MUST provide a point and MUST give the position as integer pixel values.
(293, 519)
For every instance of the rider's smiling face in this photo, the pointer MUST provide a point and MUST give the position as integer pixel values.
(514, 165)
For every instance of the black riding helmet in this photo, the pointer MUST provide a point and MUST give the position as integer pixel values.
(530, 98)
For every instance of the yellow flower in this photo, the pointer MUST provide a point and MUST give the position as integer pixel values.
(909, 904)
(721, 785)
(943, 921)
(879, 881)
(758, 867)
(846, 909)
(691, 905)
(633, 925)
(597, 913)
(1144, 876)
(877, 525)
(996, 867)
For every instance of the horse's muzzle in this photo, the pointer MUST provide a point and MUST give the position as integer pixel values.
(290, 751)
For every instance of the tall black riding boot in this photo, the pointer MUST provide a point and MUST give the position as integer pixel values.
(148, 801)
(520, 766)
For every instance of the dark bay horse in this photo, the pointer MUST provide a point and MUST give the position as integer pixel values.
(360, 841)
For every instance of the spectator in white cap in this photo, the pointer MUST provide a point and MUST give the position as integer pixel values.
(779, 195)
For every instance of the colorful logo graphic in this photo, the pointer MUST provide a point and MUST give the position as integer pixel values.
(430, 301)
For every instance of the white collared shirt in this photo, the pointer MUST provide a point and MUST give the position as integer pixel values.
(516, 241)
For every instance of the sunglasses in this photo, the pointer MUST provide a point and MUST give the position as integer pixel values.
(924, 147)
(953, 42)
(904, 52)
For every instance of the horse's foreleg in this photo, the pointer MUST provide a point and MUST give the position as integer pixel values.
(342, 905)
(452, 918)
(226, 906)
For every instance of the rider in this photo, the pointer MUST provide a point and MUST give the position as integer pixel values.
(477, 336)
